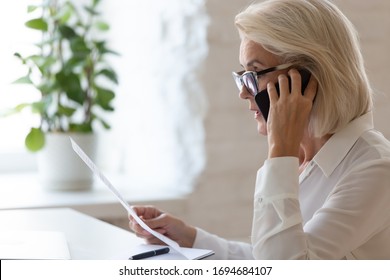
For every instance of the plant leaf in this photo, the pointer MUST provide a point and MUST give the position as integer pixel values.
(110, 74)
(95, 3)
(79, 47)
(42, 106)
(23, 80)
(66, 111)
(18, 55)
(102, 26)
(91, 11)
(103, 122)
(66, 15)
(47, 88)
(35, 139)
(84, 127)
(73, 63)
(15, 110)
(70, 82)
(31, 8)
(104, 98)
(101, 46)
(67, 32)
(37, 23)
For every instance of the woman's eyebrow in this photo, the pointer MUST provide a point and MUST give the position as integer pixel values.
(252, 62)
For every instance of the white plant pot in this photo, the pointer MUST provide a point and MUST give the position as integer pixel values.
(60, 168)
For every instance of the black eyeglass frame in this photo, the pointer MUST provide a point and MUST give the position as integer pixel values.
(254, 75)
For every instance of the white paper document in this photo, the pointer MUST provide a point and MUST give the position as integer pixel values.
(126, 205)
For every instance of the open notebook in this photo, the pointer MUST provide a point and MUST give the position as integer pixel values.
(191, 253)
(33, 245)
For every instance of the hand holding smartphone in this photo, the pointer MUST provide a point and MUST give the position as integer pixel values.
(262, 98)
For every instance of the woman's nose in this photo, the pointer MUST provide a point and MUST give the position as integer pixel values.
(244, 93)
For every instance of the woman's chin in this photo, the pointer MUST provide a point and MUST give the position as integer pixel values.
(261, 124)
(262, 128)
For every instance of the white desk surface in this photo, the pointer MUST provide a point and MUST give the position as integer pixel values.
(88, 238)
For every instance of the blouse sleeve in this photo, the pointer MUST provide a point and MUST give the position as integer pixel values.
(224, 249)
(354, 211)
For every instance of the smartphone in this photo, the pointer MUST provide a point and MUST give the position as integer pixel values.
(262, 98)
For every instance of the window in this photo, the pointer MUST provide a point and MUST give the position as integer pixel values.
(157, 137)
(13, 129)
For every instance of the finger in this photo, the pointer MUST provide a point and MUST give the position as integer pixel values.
(284, 89)
(142, 210)
(149, 239)
(311, 89)
(272, 93)
(136, 228)
(154, 240)
(143, 235)
(296, 82)
(148, 236)
(141, 232)
(146, 212)
(139, 210)
(158, 222)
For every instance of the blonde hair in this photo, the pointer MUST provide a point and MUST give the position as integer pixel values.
(314, 34)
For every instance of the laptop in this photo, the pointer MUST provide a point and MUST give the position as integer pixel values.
(33, 245)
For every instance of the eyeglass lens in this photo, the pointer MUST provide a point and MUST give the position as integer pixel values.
(250, 83)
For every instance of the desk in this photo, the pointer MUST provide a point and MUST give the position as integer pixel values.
(88, 238)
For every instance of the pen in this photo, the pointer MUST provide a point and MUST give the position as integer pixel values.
(150, 254)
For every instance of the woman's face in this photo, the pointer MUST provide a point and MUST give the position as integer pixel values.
(253, 57)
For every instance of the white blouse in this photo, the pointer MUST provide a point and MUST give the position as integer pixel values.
(337, 208)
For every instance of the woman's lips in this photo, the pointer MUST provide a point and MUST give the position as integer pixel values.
(257, 113)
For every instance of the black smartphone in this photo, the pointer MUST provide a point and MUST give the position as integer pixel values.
(262, 98)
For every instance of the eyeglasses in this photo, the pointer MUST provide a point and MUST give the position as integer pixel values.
(249, 79)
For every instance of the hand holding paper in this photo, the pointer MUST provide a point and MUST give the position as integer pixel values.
(97, 172)
(164, 223)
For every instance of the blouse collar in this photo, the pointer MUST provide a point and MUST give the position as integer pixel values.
(337, 147)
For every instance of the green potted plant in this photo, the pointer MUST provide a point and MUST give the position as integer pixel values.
(71, 72)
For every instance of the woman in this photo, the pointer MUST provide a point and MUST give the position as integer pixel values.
(324, 190)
